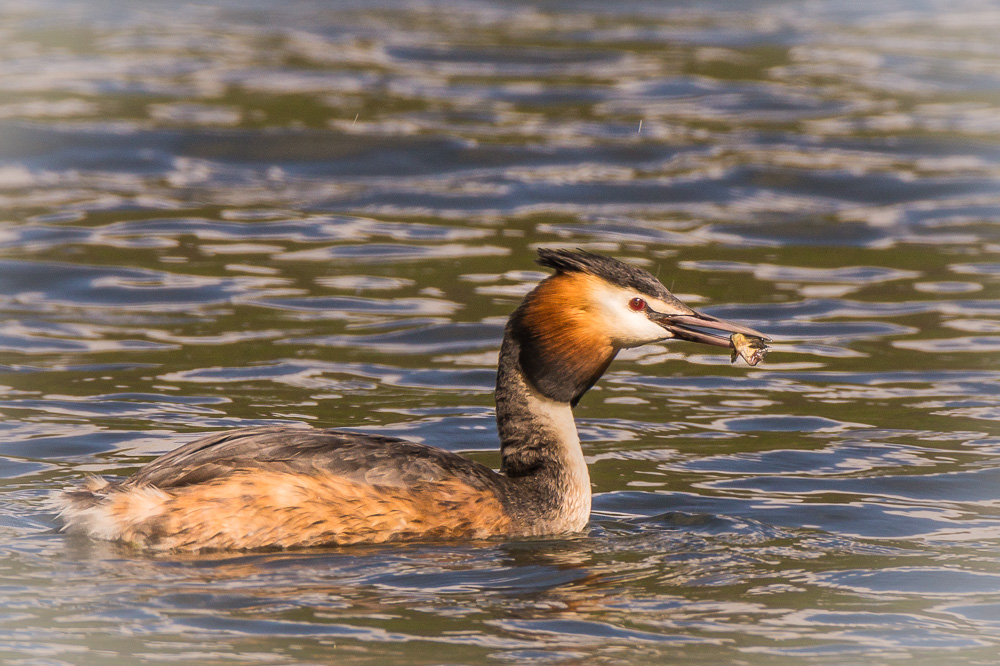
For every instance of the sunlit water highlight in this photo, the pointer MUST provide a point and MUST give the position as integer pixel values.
(230, 214)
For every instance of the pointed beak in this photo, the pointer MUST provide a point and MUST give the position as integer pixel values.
(698, 327)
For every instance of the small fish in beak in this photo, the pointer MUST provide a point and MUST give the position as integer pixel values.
(751, 348)
(698, 327)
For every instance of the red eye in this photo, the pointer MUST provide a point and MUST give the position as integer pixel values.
(637, 305)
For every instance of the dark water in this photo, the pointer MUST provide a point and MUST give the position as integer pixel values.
(225, 214)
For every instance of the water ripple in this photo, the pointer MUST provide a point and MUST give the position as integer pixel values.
(847, 274)
(310, 374)
(44, 285)
(222, 214)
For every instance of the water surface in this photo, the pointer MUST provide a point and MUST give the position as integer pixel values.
(230, 214)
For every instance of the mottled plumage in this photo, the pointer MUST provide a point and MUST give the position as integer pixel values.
(290, 487)
(364, 458)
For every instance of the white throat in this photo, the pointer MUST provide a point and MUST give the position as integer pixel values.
(574, 513)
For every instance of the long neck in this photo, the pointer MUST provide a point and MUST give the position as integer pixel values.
(540, 449)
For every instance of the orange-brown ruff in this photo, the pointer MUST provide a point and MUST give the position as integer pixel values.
(285, 487)
(569, 334)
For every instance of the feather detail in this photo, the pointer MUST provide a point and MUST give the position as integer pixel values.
(564, 344)
(253, 509)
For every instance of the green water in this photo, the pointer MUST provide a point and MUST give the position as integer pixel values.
(227, 214)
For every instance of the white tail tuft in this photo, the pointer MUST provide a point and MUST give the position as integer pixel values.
(106, 511)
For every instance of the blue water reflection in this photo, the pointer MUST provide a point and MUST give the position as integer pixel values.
(230, 214)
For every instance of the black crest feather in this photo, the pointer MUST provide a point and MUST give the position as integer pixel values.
(612, 270)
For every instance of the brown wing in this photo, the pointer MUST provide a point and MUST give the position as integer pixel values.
(289, 487)
(362, 458)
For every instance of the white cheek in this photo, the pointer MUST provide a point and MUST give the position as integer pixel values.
(627, 327)
(640, 330)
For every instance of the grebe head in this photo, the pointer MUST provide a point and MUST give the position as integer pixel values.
(573, 323)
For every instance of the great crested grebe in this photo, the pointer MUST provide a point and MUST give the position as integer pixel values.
(284, 487)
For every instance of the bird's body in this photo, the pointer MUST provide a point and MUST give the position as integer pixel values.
(288, 487)
(296, 486)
